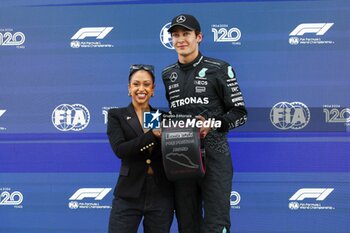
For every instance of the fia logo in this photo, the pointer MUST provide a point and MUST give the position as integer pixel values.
(295, 115)
(66, 117)
(151, 120)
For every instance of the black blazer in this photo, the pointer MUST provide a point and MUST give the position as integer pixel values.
(130, 144)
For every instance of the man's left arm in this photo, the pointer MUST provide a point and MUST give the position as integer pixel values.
(232, 98)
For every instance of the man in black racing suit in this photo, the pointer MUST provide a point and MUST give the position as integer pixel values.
(207, 88)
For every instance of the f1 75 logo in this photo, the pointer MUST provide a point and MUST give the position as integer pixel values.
(97, 193)
(97, 32)
(316, 193)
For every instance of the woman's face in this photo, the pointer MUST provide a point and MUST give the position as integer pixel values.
(141, 87)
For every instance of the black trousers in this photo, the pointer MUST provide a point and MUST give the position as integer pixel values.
(156, 208)
(212, 193)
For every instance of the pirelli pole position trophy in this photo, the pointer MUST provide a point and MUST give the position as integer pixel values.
(182, 146)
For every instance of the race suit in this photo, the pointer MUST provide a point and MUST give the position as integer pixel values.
(206, 87)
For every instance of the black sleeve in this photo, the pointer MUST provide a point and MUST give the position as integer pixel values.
(231, 96)
(127, 148)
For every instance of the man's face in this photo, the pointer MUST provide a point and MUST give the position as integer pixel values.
(186, 42)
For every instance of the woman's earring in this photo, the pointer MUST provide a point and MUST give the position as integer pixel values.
(129, 94)
(152, 94)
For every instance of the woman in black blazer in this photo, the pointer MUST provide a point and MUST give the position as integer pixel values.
(142, 189)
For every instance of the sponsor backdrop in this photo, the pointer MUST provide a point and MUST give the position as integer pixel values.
(65, 63)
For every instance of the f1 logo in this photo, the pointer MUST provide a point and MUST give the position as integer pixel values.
(318, 28)
(97, 193)
(317, 193)
(98, 32)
